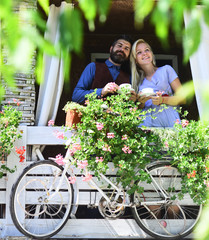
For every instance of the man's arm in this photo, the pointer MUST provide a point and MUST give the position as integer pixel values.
(83, 86)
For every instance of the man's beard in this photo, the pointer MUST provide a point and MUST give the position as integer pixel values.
(118, 58)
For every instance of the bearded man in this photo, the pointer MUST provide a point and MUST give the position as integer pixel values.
(107, 76)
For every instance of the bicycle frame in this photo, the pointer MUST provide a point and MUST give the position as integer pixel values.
(120, 191)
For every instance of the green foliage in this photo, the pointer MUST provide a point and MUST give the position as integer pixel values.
(71, 36)
(188, 145)
(21, 35)
(142, 9)
(169, 15)
(109, 130)
(45, 5)
(103, 9)
(89, 9)
(9, 121)
(73, 105)
(19, 40)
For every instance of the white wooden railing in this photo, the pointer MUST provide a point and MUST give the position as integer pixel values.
(34, 137)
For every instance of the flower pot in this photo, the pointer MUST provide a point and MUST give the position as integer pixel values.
(72, 117)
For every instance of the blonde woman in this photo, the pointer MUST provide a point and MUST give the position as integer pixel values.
(163, 81)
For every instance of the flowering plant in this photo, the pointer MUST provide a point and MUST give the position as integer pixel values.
(9, 121)
(73, 106)
(188, 145)
(109, 132)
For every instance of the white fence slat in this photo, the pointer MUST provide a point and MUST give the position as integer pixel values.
(45, 135)
(3, 197)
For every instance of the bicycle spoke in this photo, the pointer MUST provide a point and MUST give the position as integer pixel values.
(157, 213)
(39, 208)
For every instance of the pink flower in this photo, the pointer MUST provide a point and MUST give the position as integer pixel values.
(177, 121)
(86, 102)
(99, 126)
(106, 148)
(59, 135)
(74, 147)
(160, 93)
(101, 159)
(110, 135)
(166, 144)
(126, 149)
(133, 109)
(72, 179)
(88, 177)
(206, 183)
(82, 164)
(59, 159)
(51, 123)
(184, 123)
(113, 86)
(124, 137)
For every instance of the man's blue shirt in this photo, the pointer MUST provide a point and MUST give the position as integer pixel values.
(84, 84)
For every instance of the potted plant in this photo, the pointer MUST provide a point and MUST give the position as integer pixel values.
(109, 132)
(73, 114)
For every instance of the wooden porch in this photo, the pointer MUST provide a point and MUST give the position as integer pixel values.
(92, 226)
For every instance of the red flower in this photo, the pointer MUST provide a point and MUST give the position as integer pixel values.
(21, 153)
(191, 175)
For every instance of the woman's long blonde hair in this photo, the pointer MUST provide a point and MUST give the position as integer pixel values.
(137, 74)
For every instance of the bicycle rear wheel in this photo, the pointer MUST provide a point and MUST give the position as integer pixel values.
(170, 219)
(37, 209)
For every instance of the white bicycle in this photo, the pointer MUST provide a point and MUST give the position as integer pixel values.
(42, 200)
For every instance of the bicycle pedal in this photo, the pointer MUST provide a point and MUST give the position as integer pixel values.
(91, 206)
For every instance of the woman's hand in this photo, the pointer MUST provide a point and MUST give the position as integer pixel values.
(157, 100)
(133, 96)
(143, 99)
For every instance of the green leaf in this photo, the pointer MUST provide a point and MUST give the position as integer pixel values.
(5, 8)
(89, 9)
(191, 38)
(21, 58)
(39, 67)
(187, 91)
(67, 64)
(45, 5)
(103, 8)
(142, 8)
(71, 30)
(190, 4)
(177, 16)
(206, 15)
(161, 21)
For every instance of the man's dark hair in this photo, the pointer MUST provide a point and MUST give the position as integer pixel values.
(124, 37)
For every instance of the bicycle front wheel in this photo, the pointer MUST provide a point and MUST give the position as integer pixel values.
(38, 208)
(159, 211)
